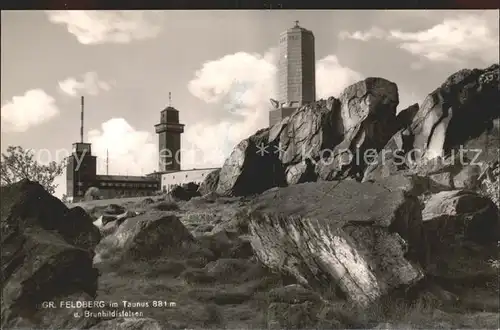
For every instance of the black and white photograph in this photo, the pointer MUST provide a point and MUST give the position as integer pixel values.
(250, 169)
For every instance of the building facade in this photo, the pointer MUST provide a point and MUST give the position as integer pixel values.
(296, 71)
(81, 174)
(81, 171)
(172, 179)
(169, 132)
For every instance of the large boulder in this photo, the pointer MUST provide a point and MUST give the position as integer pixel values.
(356, 237)
(459, 115)
(185, 192)
(252, 167)
(336, 138)
(47, 252)
(148, 236)
(209, 184)
(463, 228)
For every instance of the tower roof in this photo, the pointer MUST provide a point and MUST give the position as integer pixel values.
(170, 108)
(297, 27)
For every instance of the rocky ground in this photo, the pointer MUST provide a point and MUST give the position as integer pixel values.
(284, 241)
(198, 255)
(230, 288)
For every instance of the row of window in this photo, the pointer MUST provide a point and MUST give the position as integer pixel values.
(173, 176)
(129, 185)
(283, 39)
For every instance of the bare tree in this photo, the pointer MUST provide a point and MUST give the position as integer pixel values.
(18, 163)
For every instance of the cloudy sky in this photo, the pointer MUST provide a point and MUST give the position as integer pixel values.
(219, 66)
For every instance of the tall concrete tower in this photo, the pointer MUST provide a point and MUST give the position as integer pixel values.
(296, 72)
(296, 67)
(169, 132)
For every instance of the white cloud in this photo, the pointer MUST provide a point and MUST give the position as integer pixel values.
(243, 83)
(89, 84)
(99, 27)
(332, 78)
(131, 151)
(452, 40)
(31, 109)
(455, 39)
(373, 33)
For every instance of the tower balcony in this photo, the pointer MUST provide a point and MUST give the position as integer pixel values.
(169, 127)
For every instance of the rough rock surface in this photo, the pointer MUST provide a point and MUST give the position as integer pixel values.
(47, 253)
(185, 192)
(368, 112)
(313, 141)
(461, 227)
(210, 183)
(461, 117)
(252, 167)
(405, 116)
(113, 209)
(458, 112)
(391, 159)
(489, 182)
(148, 236)
(128, 324)
(351, 235)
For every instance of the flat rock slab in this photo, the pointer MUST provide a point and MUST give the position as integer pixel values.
(342, 202)
(340, 234)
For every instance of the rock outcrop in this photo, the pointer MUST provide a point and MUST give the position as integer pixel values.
(368, 113)
(359, 135)
(458, 113)
(315, 141)
(47, 252)
(459, 120)
(356, 237)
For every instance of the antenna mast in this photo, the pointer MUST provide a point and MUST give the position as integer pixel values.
(107, 161)
(169, 99)
(81, 121)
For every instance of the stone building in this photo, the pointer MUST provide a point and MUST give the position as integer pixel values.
(81, 171)
(296, 72)
(196, 175)
(169, 132)
(81, 174)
